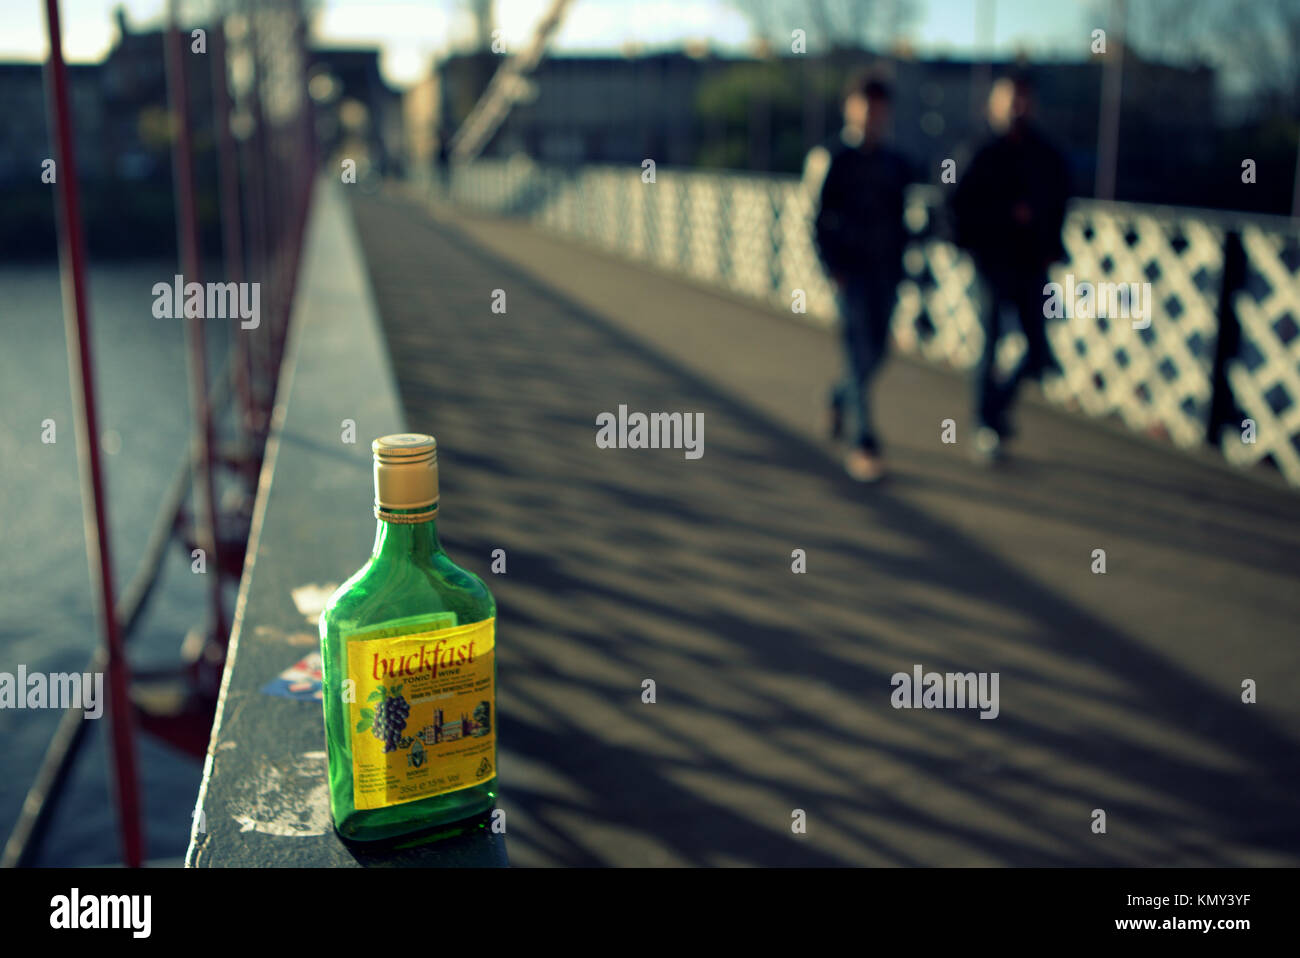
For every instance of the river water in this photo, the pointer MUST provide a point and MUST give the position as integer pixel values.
(47, 620)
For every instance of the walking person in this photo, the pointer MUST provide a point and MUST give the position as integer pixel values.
(860, 238)
(1008, 209)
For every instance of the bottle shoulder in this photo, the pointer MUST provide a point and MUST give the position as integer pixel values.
(383, 591)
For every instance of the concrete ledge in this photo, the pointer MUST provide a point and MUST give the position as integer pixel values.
(264, 799)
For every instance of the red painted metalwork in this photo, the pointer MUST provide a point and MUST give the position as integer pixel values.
(262, 237)
(275, 154)
(231, 224)
(205, 510)
(76, 314)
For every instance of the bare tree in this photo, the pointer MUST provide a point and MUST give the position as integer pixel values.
(1251, 43)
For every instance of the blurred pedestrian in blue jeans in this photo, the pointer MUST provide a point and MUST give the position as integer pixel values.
(860, 238)
(1008, 208)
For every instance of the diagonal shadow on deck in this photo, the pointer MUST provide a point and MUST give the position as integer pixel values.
(773, 688)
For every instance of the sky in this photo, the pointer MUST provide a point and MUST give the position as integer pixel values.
(412, 32)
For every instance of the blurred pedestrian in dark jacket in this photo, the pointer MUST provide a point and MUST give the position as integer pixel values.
(860, 238)
(1008, 208)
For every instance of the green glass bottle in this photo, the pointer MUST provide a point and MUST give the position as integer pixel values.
(409, 667)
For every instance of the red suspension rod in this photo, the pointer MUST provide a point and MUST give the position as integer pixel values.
(76, 314)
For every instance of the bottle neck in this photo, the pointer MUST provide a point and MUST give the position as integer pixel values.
(397, 541)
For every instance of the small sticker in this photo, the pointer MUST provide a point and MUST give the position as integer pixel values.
(301, 681)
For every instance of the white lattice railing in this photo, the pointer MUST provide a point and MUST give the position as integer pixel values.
(1265, 376)
(751, 234)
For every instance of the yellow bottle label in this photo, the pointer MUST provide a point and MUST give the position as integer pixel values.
(424, 719)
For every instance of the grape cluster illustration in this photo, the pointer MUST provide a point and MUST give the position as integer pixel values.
(390, 720)
(387, 720)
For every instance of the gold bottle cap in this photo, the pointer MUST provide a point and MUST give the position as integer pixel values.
(406, 476)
